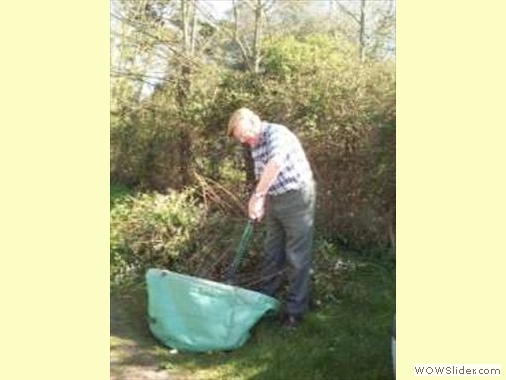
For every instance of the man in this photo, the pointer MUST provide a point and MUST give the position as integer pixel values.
(285, 183)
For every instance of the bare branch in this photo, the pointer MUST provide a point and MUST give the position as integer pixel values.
(194, 28)
(245, 53)
(184, 16)
(257, 36)
(249, 3)
(166, 43)
(347, 11)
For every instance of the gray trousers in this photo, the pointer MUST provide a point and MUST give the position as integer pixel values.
(290, 226)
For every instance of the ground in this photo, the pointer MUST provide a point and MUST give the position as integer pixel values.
(134, 352)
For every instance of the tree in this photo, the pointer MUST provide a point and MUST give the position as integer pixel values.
(249, 36)
(369, 22)
(158, 41)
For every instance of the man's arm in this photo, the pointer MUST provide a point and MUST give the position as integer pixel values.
(268, 176)
(257, 200)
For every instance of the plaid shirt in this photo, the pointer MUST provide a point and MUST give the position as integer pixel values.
(279, 143)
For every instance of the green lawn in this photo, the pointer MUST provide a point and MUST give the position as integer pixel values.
(349, 339)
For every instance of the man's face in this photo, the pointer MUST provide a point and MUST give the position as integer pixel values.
(245, 133)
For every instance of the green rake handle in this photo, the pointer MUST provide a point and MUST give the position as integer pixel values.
(242, 248)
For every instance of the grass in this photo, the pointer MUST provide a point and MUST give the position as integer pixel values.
(347, 340)
(347, 337)
(117, 192)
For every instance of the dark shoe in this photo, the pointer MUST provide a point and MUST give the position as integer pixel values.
(291, 321)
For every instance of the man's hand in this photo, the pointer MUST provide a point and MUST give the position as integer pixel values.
(256, 207)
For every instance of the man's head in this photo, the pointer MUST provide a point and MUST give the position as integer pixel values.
(245, 126)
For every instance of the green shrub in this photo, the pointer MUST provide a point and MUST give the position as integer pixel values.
(117, 192)
(343, 111)
(187, 232)
(153, 230)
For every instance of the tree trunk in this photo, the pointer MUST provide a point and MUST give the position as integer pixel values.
(258, 36)
(362, 30)
(183, 87)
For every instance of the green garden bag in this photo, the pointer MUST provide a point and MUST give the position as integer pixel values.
(194, 314)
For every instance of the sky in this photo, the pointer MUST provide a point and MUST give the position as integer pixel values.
(220, 6)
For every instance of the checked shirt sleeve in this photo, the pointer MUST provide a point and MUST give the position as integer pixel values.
(279, 148)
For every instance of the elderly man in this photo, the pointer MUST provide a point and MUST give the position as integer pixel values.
(285, 182)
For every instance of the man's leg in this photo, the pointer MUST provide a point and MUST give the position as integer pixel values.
(299, 226)
(274, 256)
(299, 244)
